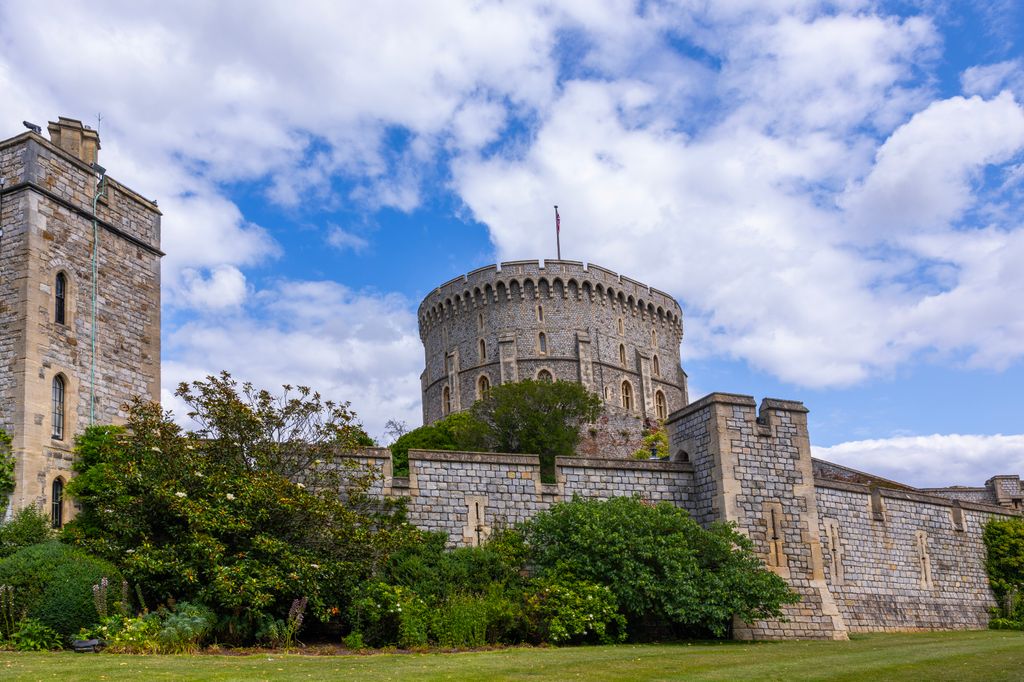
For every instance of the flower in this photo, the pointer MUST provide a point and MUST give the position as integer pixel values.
(300, 485)
(315, 565)
(155, 449)
(180, 494)
(230, 496)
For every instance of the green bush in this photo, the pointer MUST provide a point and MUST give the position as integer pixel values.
(573, 611)
(461, 621)
(386, 614)
(1004, 561)
(662, 567)
(457, 431)
(6, 471)
(54, 584)
(29, 526)
(185, 628)
(34, 635)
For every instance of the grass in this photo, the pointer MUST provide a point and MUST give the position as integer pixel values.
(935, 656)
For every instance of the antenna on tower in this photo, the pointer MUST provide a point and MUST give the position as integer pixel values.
(99, 120)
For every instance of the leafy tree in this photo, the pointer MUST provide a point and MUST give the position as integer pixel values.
(661, 565)
(1004, 546)
(655, 439)
(253, 509)
(28, 526)
(457, 431)
(6, 471)
(536, 417)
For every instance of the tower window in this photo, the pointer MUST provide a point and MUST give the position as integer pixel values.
(60, 287)
(627, 396)
(446, 401)
(540, 313)
(483, 387)
(57, 417)
(657, 366)
(542, 343)
(57, 503)
(622, 355)
(545, 376)
(622, 327)
(480, 321)
(483, 350)
(654, 338)
(660, 408)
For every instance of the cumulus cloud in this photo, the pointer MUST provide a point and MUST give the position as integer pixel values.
(362, 347)
(342, 239)
(932, 461)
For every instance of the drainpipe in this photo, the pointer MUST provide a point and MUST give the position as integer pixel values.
(95, 254)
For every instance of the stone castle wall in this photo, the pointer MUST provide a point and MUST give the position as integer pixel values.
(573, 322)
(904, 561)
(48, 229)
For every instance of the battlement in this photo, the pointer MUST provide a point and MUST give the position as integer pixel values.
(535, 279)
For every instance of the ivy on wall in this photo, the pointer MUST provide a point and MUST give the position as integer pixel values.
(6, 471)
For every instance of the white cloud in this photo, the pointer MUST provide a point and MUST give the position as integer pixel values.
(932, 461)
(361, 347)
(223, 287)
(990, 79)
(342, 239)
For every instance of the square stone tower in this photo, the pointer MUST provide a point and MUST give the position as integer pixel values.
(79, 303)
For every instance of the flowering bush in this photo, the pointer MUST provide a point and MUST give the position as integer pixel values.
(571, 611)
(243, 515)
(386, 614)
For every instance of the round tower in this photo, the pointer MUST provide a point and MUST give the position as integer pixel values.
(556, 320)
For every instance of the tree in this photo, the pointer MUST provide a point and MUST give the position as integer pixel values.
(536, 417)
(255, 508)
(457, 431)
(661, 565)
(6, 471)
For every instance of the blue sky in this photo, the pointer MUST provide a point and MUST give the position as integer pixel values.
(833, 191)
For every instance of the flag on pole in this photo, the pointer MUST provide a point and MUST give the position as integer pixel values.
(558, 233)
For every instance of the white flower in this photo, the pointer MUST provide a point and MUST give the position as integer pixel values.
(199, 474)
(155, 449)
(180, 494)
(230, 496)
(315, 565)
(300, 485)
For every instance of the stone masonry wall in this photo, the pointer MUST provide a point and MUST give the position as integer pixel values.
(563, 318)
(48, 230)
(754, 469)
(467, 495)
(908, 563)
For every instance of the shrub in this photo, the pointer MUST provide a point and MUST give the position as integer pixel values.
(386, 614)
(53, 583)
(572, 611)
(461, 621)
(34, 635)
(662, 567)
(28, 526)
(255, 508)
(6, 471)
(1004, 561)
(457, 431)
(185, 628)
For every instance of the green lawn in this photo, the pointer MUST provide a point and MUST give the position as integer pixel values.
(987, 656)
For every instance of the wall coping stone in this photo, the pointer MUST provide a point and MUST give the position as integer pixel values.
(473, 457)
(634, 464)
(710, 399)
(913, 496)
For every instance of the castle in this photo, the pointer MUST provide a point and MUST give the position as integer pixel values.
(79, 335)
(79, 302)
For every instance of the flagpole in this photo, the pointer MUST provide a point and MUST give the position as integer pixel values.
(558, 233)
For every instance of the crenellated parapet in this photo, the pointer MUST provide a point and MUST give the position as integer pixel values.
(556, 320)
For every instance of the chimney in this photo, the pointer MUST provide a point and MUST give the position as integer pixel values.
(70, 135)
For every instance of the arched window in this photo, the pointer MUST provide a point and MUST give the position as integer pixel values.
(60, 288)
(57, 417)
(622, 355)
(540, 313)
(622, 327)
(483, 387)
(542, 343)
(607, 394)
(57, 503)
(446, 400)
(654, 338)
(545, 376)
(627, 396)
(657, 366)
(483, 350)
(480, 321)
(660, 408)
